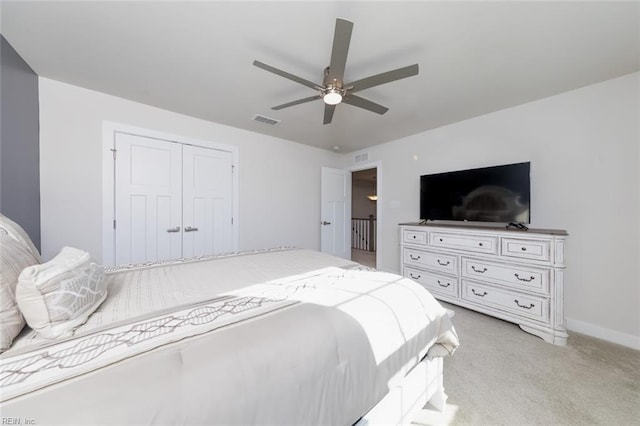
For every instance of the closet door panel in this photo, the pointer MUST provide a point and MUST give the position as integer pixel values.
(207, 192)
(148, 199)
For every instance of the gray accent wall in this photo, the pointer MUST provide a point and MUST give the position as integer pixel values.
(19, 142)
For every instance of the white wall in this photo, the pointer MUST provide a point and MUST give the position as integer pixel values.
(584, 150)
(279, 180)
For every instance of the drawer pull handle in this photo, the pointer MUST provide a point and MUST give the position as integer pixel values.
(413, 258)
(480, 271)
(523, 248)
(414, 237)
(480, 244)
(440, 239)
(443, 285)
(415, 278)
(483, 294)
(525, 279)
(531, 305)
(443, 263)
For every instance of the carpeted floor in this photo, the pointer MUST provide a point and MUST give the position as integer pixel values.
(367, 258)
(501, 375)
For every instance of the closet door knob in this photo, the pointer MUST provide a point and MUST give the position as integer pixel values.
(174, 229)
(190, 229)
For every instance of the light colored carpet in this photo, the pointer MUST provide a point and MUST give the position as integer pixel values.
(501, 375)
(367, 258)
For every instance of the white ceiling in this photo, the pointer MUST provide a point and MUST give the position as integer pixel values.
(196, 58)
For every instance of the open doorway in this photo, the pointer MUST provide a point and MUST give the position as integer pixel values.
(364, 198)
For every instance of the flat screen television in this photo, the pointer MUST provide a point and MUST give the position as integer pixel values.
(488, 194)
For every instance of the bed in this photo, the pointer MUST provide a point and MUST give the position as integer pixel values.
(282, 336)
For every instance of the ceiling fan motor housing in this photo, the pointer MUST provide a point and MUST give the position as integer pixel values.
(329, 82)
(332, 91)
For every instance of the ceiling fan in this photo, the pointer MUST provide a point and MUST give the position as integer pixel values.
(333, 90)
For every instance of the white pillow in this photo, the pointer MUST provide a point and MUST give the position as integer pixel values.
(58, 296)
(15, 231)
(14, 257)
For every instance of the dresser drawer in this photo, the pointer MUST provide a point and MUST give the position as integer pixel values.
(516, 276)
(526, 249)
(526, 305)
(411, 236)
(433, 261)
(475, 243)
(433, 282)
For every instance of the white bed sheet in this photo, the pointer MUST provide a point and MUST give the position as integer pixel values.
(315, 344)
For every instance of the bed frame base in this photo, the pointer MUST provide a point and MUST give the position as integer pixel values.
(424, 384)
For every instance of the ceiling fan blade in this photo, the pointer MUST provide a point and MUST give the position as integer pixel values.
(328, 113)
(363, 103)
(385, 77)
(341, 41)
(286, 75)
(298, 102)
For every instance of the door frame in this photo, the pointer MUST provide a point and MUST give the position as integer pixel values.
(378, 166)
(109, 132)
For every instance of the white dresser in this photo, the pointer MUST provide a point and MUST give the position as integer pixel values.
(509, 274)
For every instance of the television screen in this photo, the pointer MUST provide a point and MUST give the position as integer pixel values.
(489, 194)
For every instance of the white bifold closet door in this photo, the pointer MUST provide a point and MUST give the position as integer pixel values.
(207, 207)
(171, 200)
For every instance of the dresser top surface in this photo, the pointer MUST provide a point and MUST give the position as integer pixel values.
(487, 227)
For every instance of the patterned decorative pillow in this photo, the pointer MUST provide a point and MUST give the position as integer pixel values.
(58, 296)
(14, 257)
(15, 231)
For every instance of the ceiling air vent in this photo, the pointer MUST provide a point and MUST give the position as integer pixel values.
(266, 120)
(361, 157)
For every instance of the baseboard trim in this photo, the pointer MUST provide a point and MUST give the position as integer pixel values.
(624, 339)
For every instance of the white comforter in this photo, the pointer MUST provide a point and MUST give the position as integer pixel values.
(315, 344)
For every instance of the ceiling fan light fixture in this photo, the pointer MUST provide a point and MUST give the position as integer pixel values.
(332, 96)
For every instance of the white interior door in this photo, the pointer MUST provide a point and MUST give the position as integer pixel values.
(335, 212)
(148, 206)
(207, 201)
